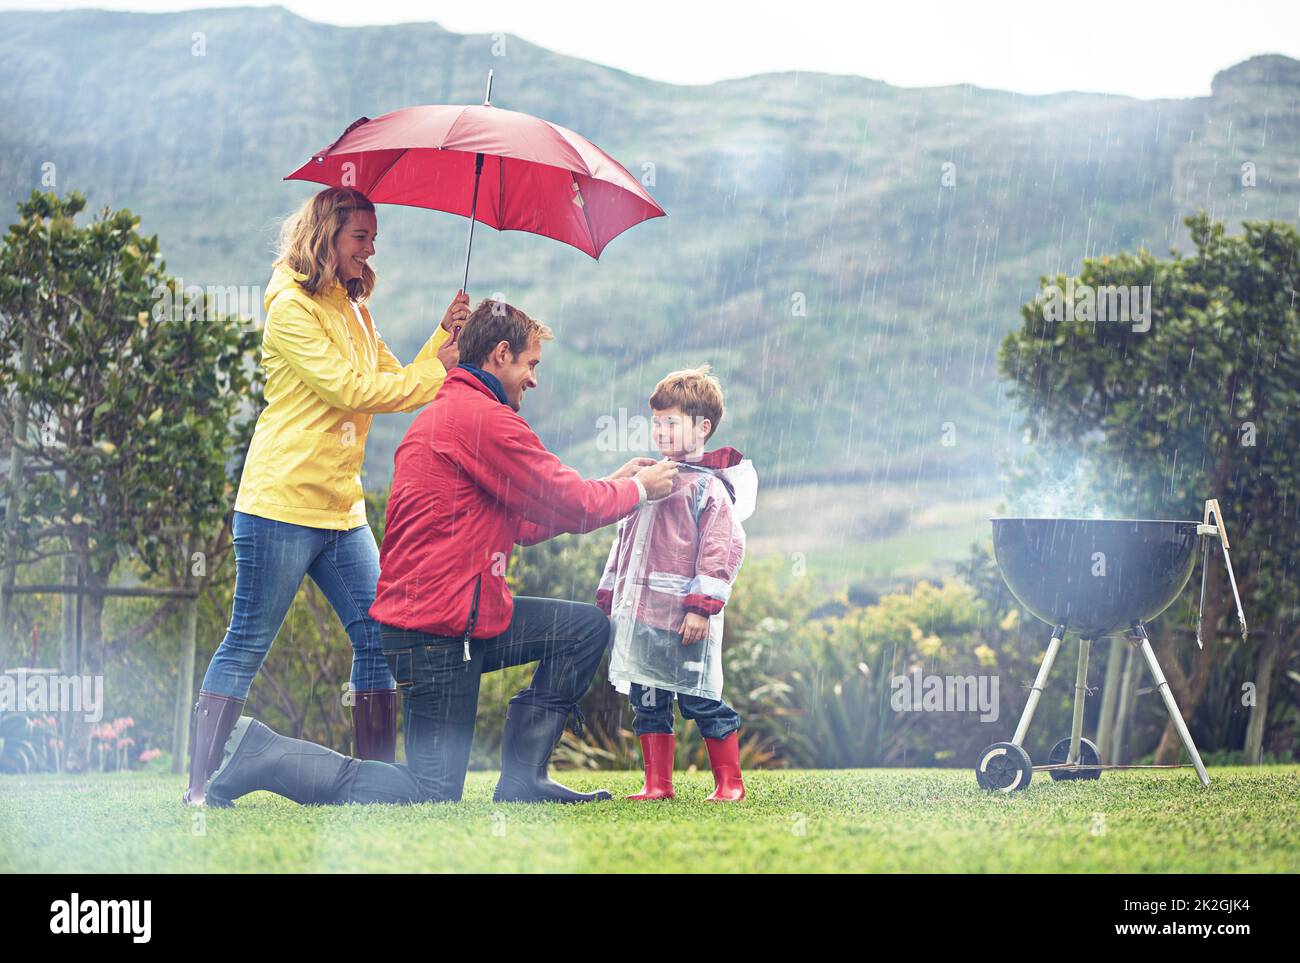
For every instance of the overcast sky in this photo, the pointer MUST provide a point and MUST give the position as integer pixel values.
(1144, 48)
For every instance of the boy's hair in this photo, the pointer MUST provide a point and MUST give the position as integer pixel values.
(493, 322)
(697, 392)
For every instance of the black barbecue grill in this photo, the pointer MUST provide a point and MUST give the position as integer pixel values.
(1094, 578)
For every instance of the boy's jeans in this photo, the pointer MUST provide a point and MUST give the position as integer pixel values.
(653, 709)
(271, 559)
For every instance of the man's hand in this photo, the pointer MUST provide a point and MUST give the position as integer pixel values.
(449, 354)
(630, 469)
(453, 319)
(695, 628)
(658, 479)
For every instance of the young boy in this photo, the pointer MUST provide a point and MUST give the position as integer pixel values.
(668, 576)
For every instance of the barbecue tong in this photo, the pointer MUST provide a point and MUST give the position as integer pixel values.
(1220, 530)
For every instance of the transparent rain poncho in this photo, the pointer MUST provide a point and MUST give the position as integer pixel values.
(678, 554)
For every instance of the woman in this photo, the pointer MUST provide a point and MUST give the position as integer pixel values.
(300, 509)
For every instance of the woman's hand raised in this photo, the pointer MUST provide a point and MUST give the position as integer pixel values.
(449, 354)
(453, 319)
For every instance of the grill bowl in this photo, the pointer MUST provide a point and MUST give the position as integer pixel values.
(1048, 563)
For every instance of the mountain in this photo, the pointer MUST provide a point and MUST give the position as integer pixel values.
(783, 190)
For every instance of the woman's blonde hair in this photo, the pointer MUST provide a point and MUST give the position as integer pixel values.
(307, 241)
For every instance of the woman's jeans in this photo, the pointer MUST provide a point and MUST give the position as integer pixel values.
(271, 559)
(653, 712)
(440, 693)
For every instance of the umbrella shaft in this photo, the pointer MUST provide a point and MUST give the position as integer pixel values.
(473, 210)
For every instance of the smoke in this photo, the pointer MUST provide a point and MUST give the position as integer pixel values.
(1049, 482)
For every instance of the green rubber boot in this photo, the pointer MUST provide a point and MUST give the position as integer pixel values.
(531, 734)
(256, 757)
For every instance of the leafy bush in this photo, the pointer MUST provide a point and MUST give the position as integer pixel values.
(25, 743)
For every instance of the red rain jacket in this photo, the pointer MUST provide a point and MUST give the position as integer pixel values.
(471, 480)
(694, 552)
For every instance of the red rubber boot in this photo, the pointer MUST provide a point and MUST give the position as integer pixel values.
(658, 748)
(724, 758)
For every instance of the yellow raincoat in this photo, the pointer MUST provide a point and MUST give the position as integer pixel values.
(327, 372)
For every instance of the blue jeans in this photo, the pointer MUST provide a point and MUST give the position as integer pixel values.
(440, 695)
(653, 712)
(271, 559)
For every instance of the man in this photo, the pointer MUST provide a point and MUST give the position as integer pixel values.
(471, 481)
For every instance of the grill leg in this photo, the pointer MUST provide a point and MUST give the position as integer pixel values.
(1124, 711)
(1170, 704)
(1109, 698)
(1036, 692)
(1080, 693)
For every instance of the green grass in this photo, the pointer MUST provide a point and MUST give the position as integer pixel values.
(847, 820)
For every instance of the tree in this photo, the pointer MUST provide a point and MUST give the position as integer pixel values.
(1199, 399)
(122, 414)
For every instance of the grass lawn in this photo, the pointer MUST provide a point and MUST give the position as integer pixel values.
(845, 820)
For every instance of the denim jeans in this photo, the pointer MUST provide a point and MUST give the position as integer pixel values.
(271, 559)
(440, 692)
(653, 712)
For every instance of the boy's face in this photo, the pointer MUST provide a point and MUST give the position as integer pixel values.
(678, 435)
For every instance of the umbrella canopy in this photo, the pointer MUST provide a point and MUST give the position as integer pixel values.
(535, 176)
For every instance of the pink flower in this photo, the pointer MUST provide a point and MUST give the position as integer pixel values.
(149, 755)
(124, 743)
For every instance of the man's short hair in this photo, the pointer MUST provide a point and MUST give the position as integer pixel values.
(493, 322)
(695, 391)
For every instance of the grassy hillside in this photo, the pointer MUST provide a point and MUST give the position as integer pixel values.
(781, 187)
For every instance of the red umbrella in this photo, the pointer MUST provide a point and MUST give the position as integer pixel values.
(536, 176)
